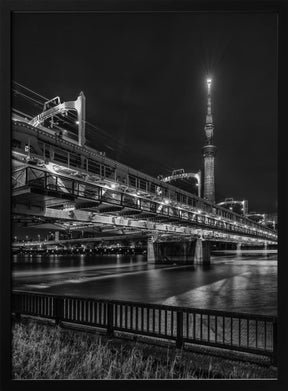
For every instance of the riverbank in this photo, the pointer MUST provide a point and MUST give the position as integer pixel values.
(43, 351)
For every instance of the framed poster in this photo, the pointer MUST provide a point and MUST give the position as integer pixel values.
(142, 204)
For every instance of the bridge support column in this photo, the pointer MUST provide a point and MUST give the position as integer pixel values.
(206, 252)
(197, 252)
(152, 250)
(176, 252)
(202, 252)
(185, 251)
(238, 248)
(265, 247)
(171, 252)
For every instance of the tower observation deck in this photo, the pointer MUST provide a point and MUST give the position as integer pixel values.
(209, 151)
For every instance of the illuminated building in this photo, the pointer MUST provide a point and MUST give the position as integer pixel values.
(240, 207)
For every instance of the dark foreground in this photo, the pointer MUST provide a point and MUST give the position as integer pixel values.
(42, 351)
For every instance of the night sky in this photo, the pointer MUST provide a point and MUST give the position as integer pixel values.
(144, 78)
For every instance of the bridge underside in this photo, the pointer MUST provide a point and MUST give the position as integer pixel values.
(42, 199)
(47, 201)
(34, 209)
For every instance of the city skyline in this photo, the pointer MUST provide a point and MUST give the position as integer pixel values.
(150, 104)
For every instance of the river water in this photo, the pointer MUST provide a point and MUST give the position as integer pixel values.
(239, 282)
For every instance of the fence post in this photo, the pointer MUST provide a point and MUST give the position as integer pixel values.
(15, 306)
(275, 343)
(58, 303)
(179, 338)
(26, 176)
(110, 320)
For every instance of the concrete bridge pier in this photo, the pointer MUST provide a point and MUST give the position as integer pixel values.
(193, 252)
(152, 250)
(238, 248)
(57, 236)
(202, 252)
(265, 247)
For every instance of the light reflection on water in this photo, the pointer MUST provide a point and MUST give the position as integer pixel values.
(239, 282)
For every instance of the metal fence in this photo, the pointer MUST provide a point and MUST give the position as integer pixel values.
(255, 334)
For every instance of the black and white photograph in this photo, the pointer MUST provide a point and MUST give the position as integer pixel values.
(144, 201)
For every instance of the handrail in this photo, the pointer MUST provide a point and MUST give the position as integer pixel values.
(120, 201)
(158, 306)
(251, 333)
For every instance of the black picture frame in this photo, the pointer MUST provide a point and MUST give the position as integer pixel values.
(7, 8)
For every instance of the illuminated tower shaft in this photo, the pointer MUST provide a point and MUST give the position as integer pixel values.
(209, 151)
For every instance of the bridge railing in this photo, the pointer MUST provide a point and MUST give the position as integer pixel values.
(256, 334)
(91, 163)
(41, 180)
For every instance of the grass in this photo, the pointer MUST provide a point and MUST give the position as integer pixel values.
(41, 351)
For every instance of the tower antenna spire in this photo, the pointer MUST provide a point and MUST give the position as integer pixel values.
(209, 151)
(209, 121)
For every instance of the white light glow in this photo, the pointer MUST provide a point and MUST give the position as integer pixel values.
(69, 207)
